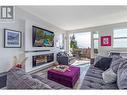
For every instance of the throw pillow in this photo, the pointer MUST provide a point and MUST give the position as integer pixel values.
(97, 59)
(122, 75)
(104, 63)
(109, 76)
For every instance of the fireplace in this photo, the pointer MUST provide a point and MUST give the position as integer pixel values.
(42, 59)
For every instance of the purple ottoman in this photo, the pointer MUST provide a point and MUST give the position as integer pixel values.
(67, 78)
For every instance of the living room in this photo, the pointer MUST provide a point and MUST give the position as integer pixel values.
(37, 52)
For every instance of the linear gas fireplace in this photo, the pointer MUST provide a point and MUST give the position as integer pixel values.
(42, 59)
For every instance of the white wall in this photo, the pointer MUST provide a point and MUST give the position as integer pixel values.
(33, 20)
(105, 30)
(6, 54)
(21, 24)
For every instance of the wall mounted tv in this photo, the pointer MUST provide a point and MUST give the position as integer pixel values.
(42, 37)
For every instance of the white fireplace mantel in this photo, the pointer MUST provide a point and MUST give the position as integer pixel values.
(28, 65)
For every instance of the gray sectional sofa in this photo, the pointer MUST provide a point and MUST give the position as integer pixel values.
(17, 78)
(94, 80)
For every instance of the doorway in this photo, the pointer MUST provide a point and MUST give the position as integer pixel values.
(80, 45)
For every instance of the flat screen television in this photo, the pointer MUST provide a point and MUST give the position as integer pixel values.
(42, 37)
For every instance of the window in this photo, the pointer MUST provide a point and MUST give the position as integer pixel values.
(60, 41)
(120, 38)
(95, 35)
(95, 42)
(83, 39)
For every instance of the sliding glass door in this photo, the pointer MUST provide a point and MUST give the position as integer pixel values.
(80, 44)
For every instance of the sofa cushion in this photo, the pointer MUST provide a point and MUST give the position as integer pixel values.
(93, 80)
(115, 64)
(109, 76)
(52, 84)
(122, 75)
(94, 72)
(103, 63)
(110, 86)
(17, 78)
(115, 57)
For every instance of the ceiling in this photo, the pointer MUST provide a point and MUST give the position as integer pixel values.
(77, 17)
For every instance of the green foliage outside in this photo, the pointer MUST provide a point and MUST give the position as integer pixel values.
(73, 43)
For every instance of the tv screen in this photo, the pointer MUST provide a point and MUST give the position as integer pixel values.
(42, 37)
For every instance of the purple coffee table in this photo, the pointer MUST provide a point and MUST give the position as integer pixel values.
(67, 78)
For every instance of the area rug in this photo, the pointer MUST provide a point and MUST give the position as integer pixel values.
(83, 70)
(81, 62)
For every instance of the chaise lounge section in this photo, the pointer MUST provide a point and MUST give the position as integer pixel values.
(93, 80)
(94, 77)
(17, 78)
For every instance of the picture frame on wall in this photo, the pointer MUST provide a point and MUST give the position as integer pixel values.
(12, 38)
(106, 41)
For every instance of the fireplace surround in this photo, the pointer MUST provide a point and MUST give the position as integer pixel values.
(39, 60)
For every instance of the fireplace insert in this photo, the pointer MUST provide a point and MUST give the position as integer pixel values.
(42, 59)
